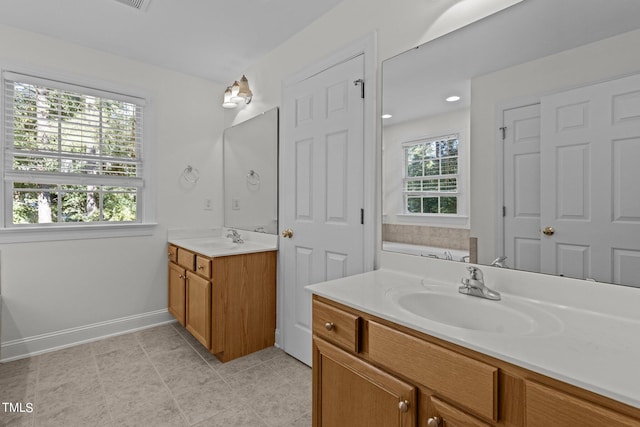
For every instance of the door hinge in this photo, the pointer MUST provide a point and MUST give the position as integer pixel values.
(362, 216)
(504, 132)
(504, 211)
(361, 83)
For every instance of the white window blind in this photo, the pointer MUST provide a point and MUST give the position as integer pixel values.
(72, 154)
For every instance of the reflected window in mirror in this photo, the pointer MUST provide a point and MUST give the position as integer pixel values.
(431, 176)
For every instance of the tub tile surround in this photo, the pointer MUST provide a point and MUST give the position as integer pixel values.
(595, 347)
(159, 376)
(440, 237)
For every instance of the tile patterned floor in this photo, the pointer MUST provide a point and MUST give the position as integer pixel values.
(156, 377)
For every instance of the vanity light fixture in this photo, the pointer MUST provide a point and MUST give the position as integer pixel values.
(452, 98)
(227, 103)
(237, 93)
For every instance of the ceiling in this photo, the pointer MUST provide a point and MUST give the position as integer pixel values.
(213, 39)
(416, 82)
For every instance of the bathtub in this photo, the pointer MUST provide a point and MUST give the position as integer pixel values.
(426, 251)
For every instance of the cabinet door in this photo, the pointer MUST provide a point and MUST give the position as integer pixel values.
(177, 290)
(441, 414)
(546, 406)
(349, 392)
(198, 318)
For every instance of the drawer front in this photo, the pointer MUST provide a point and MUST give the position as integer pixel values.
(471, 383)
(549, 407)
(186, 259)
(203, 266)
(335, 325)
(450, 416)
(173, 253)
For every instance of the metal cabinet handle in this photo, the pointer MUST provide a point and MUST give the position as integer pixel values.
(200, 267)
(329, 326)
(434, 422)
(403, 406)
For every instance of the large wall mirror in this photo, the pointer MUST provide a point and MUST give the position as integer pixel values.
(251, 174)
(535, 158)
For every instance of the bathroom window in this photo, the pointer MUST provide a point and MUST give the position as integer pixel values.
(431, 179)
(73, 155)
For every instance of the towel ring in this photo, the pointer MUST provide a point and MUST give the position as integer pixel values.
(253, 177)
(191, 174)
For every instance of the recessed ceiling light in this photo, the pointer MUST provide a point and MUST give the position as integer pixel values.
(453, 98)
(386, 116)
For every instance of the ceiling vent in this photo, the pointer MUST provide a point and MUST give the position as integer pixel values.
(136, 4)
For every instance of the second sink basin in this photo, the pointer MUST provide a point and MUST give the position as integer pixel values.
(462, 311)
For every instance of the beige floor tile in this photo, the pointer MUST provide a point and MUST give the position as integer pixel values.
(257, 377)
(233, 417)
(156, 377)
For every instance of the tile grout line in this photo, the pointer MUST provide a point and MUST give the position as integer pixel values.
(104, 391)
(182, 414)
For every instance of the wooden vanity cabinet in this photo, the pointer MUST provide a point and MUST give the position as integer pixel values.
(349, 391)
(441, 384)
(198, 308)
(177, 287)
(227, 303)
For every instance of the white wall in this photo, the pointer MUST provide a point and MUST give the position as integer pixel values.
(526, 82)
(399, 25)
(55, 293)
(44, 289)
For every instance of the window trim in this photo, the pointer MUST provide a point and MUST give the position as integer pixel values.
(50, 232)
(460, 193)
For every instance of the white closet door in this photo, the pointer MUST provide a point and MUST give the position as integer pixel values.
(322, 191)
(590, 182)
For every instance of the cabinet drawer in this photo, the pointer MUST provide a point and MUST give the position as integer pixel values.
(472, 383)
(173, 253)
(203, 266)
(451, 416)
(549, 407)
(337, 326)
(186, 259)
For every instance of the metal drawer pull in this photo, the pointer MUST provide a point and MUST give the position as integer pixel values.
(329, 326)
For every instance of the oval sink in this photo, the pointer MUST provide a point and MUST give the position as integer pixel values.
(467, 312)
(220, 243)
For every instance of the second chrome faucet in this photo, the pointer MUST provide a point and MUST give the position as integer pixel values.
(474, 285)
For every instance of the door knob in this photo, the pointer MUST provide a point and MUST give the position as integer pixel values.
(288, 233)
(548, 231)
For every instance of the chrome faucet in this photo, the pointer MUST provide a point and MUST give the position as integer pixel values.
(474, 285)
(499, 262)
(235, 236)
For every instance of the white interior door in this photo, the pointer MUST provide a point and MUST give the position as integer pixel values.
(321, 190)
(590, 176)
(521, 187)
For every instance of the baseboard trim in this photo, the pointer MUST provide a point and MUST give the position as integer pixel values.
(38, 344)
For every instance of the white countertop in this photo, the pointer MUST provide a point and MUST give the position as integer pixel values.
(598, 350)
(213, 243)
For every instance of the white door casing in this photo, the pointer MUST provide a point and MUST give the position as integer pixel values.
(521, 187)
(322, 182)
(589, 155)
